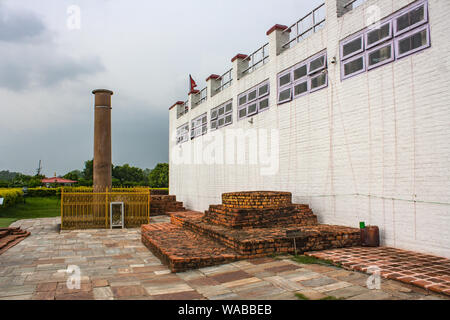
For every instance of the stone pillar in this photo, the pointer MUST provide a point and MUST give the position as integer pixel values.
(102, 140)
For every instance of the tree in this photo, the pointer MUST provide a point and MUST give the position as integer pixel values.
(73, 175)
(127, 175)
(88, 171)
(159, 176)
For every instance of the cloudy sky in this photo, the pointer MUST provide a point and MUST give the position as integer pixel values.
(142, 50)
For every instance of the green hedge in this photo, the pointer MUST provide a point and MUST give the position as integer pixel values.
(11, 197)
(56, 192)
(44, 192)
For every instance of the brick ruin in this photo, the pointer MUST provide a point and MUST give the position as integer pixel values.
(9, 237)
(164, 204)
(246, 225)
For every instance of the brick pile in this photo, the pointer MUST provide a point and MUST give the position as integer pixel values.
(164, 204)
(9, 237)
(246, 225)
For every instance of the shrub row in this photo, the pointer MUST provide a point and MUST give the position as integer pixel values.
(10, 197)
(56, 192)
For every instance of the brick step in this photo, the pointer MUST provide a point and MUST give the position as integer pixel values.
(256, 242)
(182, 249)
(243, 218)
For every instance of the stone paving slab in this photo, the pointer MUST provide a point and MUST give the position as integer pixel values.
(115, 265)
(422, 270)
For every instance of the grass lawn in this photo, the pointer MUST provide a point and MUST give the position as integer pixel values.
(33, 208)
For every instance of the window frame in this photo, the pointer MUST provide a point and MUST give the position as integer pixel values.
(343, 63)
(376, 43)
(301, 80)
(359, 35)
(280, 90)
(381, 46)
(181, 134)
(407, 10)
(239, 99)
(264, 94)
(261, 100)
(222, 116)
(281, 75)
(319, 55)
(197, 124)
(310, 74)
(256, 101)
(409, 34)
(298, 66)
(311, 89)
(239, 111)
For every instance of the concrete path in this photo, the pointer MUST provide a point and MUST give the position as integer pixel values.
(113, 264)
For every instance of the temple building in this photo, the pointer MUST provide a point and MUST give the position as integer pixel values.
(348, 109)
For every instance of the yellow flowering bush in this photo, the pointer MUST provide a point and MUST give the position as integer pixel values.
(10, 197)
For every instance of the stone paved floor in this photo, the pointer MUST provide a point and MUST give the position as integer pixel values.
(115, 265)
(423, 270)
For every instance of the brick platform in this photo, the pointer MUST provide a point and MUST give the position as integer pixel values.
(182, 249)
(9, 237)
(247, 225)
(425, 271)
(164, 204)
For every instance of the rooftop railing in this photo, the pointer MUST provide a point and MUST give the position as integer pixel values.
(225, 80)
(309, 24)
(203, 95)
(257, 59)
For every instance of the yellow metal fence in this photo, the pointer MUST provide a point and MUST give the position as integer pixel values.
(91, 210)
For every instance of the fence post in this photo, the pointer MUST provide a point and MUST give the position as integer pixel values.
(62, 208)
(106, 208)
(148, 211)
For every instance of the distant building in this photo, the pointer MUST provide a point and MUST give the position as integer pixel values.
(348, 109)
(58, 181)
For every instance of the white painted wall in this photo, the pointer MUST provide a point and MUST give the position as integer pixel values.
(354, 151)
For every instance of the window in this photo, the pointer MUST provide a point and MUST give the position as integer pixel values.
(256, 100)
(317, 64)
(199, 126)
(222, 115)
(285, 79)
(300, 72)
(379, 35)
(306, 77)
(411, 18)
(397, 36)
(380, 55)
(300, 88)
(183, 133)
(353, 67)
(263, 90)
(351, 47)
(413, 42)
(319, 81)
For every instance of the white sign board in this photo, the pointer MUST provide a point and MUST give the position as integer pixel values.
(1, 201)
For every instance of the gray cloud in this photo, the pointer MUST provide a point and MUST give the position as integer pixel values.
(30, 58)
(42, 67)
(19, 26)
